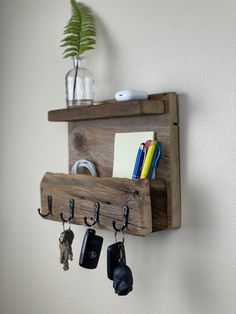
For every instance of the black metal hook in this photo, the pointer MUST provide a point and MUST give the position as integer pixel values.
(95, 216)
(49, 207)
(125, 215)
(72, 209)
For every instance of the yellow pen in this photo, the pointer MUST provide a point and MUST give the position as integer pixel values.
(148, 160)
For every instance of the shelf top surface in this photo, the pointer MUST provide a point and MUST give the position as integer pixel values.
(154, 105)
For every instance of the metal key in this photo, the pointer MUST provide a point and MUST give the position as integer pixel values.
(122, 258)
(62, 248)
(64, 255)
(69, 236)
(65, 242)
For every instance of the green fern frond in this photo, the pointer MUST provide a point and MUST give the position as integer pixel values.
(80, 31)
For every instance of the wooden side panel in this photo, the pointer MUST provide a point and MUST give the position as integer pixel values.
(111, 193)
(159, 205)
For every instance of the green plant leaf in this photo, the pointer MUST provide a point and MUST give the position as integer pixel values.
(79, 31)
(71, 49)
(69, 44)
(88, 41)
(70, 55)
(70, 38)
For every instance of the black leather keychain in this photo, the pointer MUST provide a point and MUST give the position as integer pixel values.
(91, 249)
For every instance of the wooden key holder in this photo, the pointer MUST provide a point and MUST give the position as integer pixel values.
(112, 194)
(153, 204)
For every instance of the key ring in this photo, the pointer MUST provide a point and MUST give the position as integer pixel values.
(123, 238)
(63, 224)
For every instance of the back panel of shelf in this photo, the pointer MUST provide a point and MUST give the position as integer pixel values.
(94, 140)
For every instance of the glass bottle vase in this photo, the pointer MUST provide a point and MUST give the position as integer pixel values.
(79, 84)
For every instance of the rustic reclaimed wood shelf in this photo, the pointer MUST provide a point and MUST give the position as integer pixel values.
(155, 204)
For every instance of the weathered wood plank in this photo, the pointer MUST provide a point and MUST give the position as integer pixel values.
(159, 205)
(111, 193)
(107, 110)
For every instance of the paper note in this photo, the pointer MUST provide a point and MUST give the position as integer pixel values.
(125, 151)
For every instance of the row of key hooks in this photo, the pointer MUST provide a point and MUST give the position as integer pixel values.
(117, 269)
(125, 214)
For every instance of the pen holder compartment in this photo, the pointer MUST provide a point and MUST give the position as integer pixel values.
(146, 200)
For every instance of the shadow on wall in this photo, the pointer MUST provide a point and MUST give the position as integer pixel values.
(196, 200)
(110, 74)
(182, 262)
(199, 220)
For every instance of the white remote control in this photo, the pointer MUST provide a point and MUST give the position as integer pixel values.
(130, 94)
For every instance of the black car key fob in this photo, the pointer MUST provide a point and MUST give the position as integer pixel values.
(115, 253)
(91, 249)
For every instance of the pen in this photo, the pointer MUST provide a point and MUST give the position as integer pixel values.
(148, 160)
(139, 161)
(155, 159)
(147, 144)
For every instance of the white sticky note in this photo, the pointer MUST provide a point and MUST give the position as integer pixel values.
(125, 151)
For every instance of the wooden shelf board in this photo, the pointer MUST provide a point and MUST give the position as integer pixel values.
(107, 110)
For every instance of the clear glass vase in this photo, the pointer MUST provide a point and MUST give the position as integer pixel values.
(79, 84)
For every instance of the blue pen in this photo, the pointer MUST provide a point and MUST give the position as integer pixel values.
(139, 161)
(155, 159)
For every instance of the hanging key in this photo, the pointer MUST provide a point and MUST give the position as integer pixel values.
(65, 246)
(64, 255)
(69, 236)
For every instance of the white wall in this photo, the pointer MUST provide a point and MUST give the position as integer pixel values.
(184, 46)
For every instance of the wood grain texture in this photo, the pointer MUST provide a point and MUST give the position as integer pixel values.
(107, 110)
(158, 194)
(112, 194)
(94, 140)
